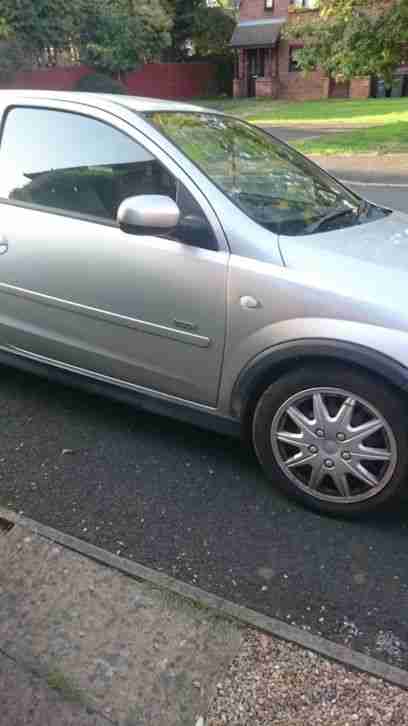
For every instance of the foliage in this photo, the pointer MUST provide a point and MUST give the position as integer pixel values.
(229, 6)
(4, 29)
(12, 58)
(225, 4)
(212, 31)
(224, 74)
(354, 39)
(115, 35)
(199, 29)
(12, 55)
(40, 24)
(345, 9)
(183, 14)
(98, 83)
(124, 33)
(112, 35)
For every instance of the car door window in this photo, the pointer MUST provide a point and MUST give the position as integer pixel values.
(67, 162)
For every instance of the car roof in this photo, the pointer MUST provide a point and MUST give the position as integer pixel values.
(139, 104)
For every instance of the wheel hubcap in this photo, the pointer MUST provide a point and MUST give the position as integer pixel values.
(334, 445)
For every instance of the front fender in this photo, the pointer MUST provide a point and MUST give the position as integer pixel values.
(374, 349)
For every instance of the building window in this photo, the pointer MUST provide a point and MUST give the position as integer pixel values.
(307, 4)
(293, 64)
(256, 59)
(269, 4)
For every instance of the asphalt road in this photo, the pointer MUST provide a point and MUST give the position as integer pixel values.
(292, 133)
(196, 506)
(377, 189)
(396, 198)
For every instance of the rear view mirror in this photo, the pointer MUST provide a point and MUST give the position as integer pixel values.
(148, 213)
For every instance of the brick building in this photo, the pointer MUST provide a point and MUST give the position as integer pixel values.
(265, 60)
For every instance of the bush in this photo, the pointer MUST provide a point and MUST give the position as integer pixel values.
(225, 74)
(12, 59)
(98, 83)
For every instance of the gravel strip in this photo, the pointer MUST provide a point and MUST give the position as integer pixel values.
(273, 682)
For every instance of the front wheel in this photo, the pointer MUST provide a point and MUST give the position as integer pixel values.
(333, 438)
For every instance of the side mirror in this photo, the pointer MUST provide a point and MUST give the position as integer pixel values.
(148, 213)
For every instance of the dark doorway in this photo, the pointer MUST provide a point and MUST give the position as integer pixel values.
(251, 72)
(255, 68)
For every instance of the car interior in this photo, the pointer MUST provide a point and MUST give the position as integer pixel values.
(98, 192)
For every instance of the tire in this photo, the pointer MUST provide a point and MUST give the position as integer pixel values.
(347, 452)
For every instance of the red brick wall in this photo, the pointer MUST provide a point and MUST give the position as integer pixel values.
(240, 88)
(360, 88)
(255, 9)
(267, 87)
(295, 86)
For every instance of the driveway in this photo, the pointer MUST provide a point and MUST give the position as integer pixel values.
(196, 506)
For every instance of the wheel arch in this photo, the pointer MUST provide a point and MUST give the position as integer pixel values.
(269, 365)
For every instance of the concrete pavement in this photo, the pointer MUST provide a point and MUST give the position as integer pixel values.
(26, 699)
(390, 170)
(82, 644)
(380, 179)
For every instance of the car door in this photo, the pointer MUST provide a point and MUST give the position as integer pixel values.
(77, 290)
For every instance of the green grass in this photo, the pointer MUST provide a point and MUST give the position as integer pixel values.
(370, 112)
(58, 681)
(388, 139)
(381, 123)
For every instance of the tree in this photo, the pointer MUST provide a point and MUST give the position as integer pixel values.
(345, 9)
(230, 6)
(118, 35)
(183, 14)
(212, 31)
(4, 29)
(198, 28)
(12, 57)
(354, 38)
(41, 24)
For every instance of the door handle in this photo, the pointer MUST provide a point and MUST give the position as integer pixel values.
(3, 247)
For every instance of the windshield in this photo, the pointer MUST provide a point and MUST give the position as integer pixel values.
(268, 180)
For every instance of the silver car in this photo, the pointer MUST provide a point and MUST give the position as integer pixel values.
(180, 259)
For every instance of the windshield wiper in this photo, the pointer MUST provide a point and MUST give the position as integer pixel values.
(331, 216)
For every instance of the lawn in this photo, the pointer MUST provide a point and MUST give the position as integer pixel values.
(381, 124)
(265, 111)
(387, 139)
